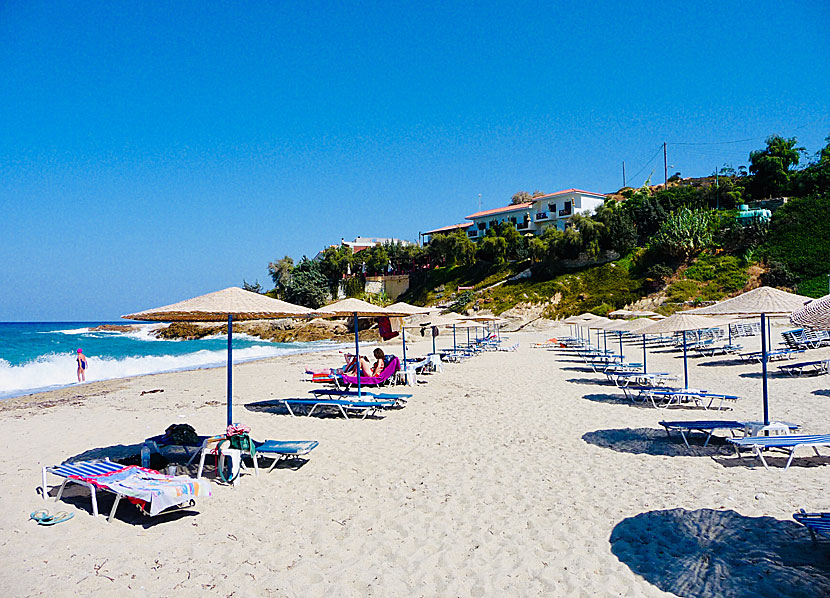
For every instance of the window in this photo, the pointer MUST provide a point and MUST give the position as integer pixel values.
(481, 225)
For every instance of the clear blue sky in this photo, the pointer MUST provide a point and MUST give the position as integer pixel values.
(153, 151)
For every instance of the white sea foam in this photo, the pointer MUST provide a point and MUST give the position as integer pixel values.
(57, 370)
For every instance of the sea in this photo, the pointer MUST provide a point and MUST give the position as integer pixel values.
(39, 356)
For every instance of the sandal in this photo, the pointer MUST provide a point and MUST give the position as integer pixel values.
(44, 518)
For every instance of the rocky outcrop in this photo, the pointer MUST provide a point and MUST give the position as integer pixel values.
(189, 331)
(114, 328)
(278, 331)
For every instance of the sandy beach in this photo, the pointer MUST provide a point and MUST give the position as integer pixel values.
(518, 474)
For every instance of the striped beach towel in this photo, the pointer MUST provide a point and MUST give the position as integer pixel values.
(152, 491)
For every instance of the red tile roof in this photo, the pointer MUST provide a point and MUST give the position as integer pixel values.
(570, 191)
(446, 228)
(511, 208)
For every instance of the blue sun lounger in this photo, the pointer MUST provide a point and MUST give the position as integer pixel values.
(814, 522)
(276, 450)
(787, 443)
(343, 405)
(703, 426)
(370, 395)
(709, 427)
(816, 368)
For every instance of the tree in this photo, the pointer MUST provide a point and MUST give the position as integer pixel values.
(376, 260)
(493, 248)
(307, 286)
(280, 271)
(772, 165)
(335, 262)
(254, 288)
(619, 231)
(521, 197)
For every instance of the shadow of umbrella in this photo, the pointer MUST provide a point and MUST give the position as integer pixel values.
(721, 553)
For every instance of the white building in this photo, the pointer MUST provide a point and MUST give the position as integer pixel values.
(535, 216)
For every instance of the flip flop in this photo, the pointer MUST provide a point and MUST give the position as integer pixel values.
(44, 518)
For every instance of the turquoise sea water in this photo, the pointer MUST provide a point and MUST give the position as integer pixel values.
(37, 356)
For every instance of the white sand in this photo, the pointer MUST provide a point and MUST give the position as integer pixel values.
(498, 478)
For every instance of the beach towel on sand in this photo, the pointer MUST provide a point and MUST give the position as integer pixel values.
(148, 487)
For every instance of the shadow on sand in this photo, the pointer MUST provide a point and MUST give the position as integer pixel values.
(722, 553)
(276, 407)
(652, 441)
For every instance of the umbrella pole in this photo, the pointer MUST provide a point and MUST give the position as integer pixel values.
(764, 368)
(454, 349)
(729, 327)
(621, 349)
(644, 355)
(604, 340)
(230, 369)
(685, 363)
(403, 340)
(357, 355)
(468, 339)
(432, 330)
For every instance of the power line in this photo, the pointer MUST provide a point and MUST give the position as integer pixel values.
(650, 160)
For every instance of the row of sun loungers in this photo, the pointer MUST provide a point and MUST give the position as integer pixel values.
(806, 339)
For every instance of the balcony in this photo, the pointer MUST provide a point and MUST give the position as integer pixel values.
(523, 225)
(565, 212)
(542, 216)
(473, 234)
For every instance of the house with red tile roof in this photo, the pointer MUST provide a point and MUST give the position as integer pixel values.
(551, 209)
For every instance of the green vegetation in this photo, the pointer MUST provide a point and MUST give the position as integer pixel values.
(684, 240)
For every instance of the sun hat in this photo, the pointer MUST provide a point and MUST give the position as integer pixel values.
(79, 351)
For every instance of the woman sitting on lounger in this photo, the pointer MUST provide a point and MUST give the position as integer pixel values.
(366, 368)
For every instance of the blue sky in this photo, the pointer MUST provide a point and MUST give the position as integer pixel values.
(153, 151)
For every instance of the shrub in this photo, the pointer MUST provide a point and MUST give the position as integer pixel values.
(685, 232)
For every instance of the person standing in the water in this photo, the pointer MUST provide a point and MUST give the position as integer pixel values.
(81, 366)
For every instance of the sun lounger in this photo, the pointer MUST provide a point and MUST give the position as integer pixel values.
(711, 350)
(666, 397)
(814, 522)
(705, 427)
(387, 375)
(398, 397)
(816, 368)
(641, 380)
(364, 407)
(786, 443)
(709, 427)
(777, 355)
(151, 491)
(276, 450)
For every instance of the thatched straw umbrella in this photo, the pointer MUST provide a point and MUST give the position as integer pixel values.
(229, 304)
(356, 308)
(682, 322)
(815, 314)
(764, 302)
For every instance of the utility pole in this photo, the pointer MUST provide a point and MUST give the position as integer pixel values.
(717, 191)
(665, 167)
(623, 173)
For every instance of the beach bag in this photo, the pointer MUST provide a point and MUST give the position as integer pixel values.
(182, 434)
